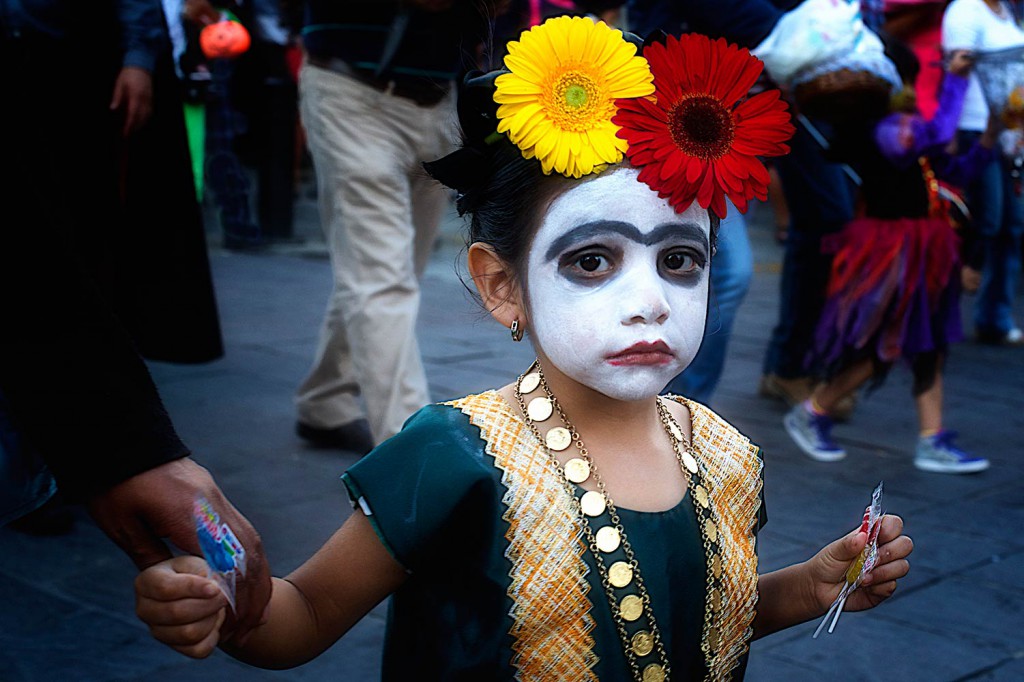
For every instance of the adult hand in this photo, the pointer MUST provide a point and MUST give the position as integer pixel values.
(133, 98)
(200, 12)
(828, 567)
(960, 63)
(140, 512)
(970, 279)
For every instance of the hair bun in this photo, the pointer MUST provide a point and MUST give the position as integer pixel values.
(466, 168)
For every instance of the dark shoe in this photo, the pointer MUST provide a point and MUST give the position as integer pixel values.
(994, 337)
(791, 391)
(244, 244)
(354, 436)
(55, 517)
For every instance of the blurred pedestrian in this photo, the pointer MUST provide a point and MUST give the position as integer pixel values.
(894, 287)
(376, 100)
(995, 197)
(77, 391)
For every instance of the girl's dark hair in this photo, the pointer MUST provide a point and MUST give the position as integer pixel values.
(504, 193)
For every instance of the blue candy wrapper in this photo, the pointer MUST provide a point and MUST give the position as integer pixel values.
(224, 554)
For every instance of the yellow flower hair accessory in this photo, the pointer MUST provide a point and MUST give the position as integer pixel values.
(557, 102)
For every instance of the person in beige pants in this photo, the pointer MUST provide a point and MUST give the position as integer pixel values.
(380, 212)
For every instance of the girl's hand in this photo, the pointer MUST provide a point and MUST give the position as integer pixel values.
(828, 567)
(182, 607)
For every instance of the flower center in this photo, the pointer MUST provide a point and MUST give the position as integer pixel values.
(576, 95)
(574, 101)
(702, 127)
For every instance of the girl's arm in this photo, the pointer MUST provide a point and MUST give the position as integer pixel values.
(308, 611)
(804, 591)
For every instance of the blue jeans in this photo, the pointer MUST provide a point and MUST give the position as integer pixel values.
(998, 213)
(820, 199)
(732, 268)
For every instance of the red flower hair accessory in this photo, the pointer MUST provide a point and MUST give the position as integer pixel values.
(696, 139)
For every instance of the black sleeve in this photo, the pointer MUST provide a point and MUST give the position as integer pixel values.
(76, 388)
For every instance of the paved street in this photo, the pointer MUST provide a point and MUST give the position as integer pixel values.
(67, 605)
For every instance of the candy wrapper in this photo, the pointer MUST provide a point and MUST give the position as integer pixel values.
(224, 554)
(870, 524)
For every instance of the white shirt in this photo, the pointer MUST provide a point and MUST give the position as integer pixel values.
(972, 25)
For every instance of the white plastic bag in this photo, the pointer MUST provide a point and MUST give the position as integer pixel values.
(823, 35)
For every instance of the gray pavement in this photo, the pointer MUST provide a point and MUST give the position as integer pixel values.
(66, 604)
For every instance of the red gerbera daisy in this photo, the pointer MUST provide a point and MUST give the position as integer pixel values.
(696, 140)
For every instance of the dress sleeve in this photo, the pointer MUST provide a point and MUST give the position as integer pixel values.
(428, 491)
(762, 511)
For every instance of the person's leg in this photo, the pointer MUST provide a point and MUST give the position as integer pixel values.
(809, 423)
(998, 218)
(830, 393)
(328, 398)
(225, 174)
(820, 203)
(937, 451)
(732, 268)
(929, 407)
(373, 252)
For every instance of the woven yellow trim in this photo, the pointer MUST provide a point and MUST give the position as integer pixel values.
(551, 621)
(732, 470)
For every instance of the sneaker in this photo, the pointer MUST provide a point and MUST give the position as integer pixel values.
(813, 434)
(938, 454)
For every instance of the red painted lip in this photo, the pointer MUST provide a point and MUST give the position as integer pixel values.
(643, 353)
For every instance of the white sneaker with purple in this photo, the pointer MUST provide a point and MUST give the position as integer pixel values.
(812, 433)
(938, 454)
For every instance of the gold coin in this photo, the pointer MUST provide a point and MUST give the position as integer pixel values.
(592, 503)
(688, 461)
(711, 529)
(642, 643)
(529, 383)
(716, 566)
(713, 639)
(701, 495)
(539, 409)
(577, 470)
(620, 574)
(631, 607)
(558, 438)
(654, 673)
(674, 430)
(716, 600)
(607, 539)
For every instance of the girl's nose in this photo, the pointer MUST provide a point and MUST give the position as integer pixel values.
(646, 302)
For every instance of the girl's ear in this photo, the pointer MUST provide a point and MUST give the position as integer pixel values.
(497, 284)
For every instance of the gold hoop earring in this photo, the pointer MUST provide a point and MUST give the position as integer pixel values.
(517, 331)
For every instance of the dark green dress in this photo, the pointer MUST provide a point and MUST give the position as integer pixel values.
(435, 497)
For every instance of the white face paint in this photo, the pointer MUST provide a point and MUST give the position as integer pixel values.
(617, 286)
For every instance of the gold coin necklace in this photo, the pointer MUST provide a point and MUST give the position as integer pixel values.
(644, 649)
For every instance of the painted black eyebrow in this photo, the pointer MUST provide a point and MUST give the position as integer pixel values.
(627, 230)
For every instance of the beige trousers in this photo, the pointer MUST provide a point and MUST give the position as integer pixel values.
(380, 213)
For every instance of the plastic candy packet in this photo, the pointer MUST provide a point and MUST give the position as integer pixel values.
(224, 554)
(870, 524)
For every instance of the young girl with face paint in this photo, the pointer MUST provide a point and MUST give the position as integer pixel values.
(571, 525)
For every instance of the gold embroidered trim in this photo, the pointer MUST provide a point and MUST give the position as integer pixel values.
(551, 621)
(733, 470)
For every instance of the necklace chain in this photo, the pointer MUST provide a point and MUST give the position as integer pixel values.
(649, 641)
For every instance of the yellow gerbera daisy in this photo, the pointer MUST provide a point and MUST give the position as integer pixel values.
(558, 100)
